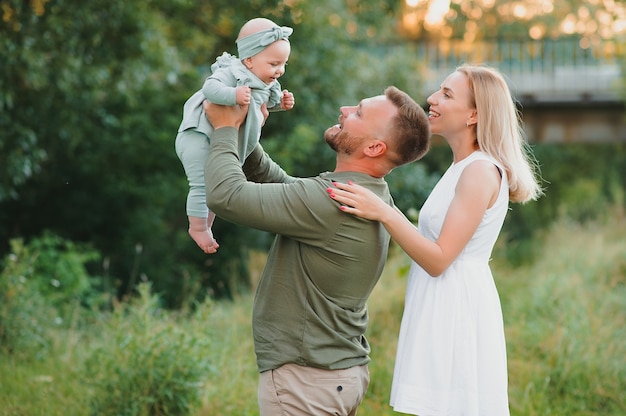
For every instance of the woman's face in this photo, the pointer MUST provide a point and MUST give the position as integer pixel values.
(450, 108)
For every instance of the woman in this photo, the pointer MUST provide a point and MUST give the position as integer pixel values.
(451, 357)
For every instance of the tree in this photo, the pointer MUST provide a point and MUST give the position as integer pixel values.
(86, 131)
(536, 19)
(91, 97)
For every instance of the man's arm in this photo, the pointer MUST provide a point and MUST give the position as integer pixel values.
(259, 167)
(300, 209)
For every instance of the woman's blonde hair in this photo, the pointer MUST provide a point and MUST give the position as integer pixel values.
(499, 131)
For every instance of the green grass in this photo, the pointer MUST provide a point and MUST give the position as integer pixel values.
(565, 320)
(565, 317)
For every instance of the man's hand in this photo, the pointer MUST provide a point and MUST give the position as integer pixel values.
(225, 116)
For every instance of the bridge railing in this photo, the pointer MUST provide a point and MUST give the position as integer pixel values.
(540, 70)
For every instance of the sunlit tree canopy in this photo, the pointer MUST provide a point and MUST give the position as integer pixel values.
(535, 19)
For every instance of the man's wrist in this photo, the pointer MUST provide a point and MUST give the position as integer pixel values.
(224, 128)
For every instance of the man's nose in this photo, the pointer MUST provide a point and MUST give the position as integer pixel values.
(346, 110)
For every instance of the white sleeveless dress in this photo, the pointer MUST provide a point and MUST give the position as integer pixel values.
(451, 357)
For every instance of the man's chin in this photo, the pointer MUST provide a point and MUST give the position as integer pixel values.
(331, 132)
(329, 138)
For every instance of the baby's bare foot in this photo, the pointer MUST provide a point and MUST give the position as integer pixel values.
(204, 239)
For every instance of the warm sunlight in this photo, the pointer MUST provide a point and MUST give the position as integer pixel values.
(597, 18)
(436, 12)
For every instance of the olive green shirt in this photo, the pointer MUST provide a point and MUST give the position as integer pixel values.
(310, 306)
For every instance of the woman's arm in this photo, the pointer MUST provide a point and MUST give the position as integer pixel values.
(475, 192)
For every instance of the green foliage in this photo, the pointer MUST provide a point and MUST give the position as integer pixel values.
(581, 182)
(91, 100)
(41, 286)
(565, 322)
(59, 272)
(565, 319)
(148, 363)
(24, 312)
(410, 186)
(54, 99)
(622, 65)
(91, 96)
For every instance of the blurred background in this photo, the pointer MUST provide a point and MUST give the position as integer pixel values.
(91, 97)
(92, 195)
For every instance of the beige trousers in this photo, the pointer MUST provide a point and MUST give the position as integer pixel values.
(293, 390)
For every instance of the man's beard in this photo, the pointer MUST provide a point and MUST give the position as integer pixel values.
(342, 142)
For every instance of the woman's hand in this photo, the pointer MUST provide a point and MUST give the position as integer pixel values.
(359, 201)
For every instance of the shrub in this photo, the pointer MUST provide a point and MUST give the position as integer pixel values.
(24, 313)
(59, 272)
(42, 284)
(149, 363)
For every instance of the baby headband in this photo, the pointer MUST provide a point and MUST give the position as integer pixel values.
(256, 42)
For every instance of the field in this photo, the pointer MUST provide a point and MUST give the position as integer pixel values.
(565, 320)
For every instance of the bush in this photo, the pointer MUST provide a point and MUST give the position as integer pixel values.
(24, 313)
(149, 364)
(42, 284)
(59, 272)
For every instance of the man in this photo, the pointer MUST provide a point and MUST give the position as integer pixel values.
(310, 311)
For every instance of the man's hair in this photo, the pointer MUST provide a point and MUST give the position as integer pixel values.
(410, 129)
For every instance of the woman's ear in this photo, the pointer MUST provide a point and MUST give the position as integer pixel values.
(472, 119)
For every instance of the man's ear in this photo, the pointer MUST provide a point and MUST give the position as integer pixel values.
(376, 148)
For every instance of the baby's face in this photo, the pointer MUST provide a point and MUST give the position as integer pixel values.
(269, 64)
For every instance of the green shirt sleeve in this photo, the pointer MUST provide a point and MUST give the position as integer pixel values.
(259, 167)
(298, 208)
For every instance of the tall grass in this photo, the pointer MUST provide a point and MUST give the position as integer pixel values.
(565, 321)
(565, 316)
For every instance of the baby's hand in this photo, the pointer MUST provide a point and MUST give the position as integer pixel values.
(287, 101)
(243, 95)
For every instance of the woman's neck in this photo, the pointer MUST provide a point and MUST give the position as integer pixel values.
(463, 147)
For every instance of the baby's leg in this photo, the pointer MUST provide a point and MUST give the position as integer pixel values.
(192, 149)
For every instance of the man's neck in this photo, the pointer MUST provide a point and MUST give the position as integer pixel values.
(370, 169)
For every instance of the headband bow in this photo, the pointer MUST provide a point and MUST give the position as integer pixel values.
(256, 42)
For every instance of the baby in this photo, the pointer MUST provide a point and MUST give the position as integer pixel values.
(250, 79)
